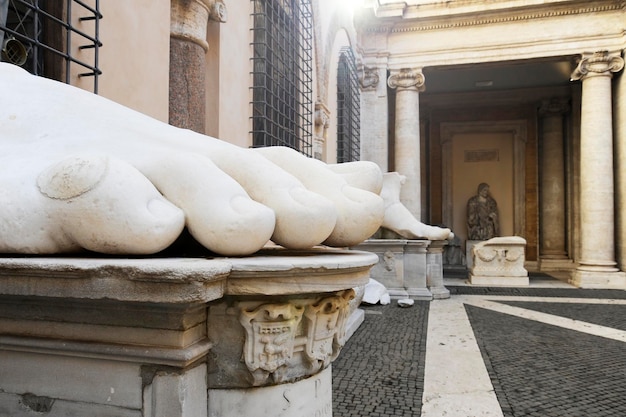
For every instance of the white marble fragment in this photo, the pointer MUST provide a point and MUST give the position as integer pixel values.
(406, 302)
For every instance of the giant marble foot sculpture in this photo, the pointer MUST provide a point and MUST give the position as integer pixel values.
(399, 219)
(78, 171)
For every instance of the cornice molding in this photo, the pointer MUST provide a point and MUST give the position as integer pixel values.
(417, 24)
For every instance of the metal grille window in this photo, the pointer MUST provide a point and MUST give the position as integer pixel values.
(348, 108)
(37, 35)
(282, 74)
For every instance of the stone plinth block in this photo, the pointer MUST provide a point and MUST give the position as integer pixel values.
(401, 266)
(500, 262)
(176, 337)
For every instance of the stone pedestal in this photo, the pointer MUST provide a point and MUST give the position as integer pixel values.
(499, 262)
(434, 269)
(401, 266)
(174, 337)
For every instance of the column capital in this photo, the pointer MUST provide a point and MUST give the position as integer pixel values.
(600, 63)
(554, 106)
(370, 79)
(407, 78)
(189, 19)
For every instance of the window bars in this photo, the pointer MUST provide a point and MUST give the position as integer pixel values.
(348, 108)
(282, 95)
(38, 35)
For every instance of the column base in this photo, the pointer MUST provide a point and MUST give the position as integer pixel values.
(600, 279)
(556, 264)
(311, 396)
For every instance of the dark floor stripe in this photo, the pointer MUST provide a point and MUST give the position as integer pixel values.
(543, 370)
(608, 315)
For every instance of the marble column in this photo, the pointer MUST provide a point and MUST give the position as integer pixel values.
(408, 84)
(553, 254)
(374, 122)
(597, 266)
(188, 46)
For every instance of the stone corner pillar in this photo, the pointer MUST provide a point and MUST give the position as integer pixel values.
(188, 46)
(597, 266)
(408, 82)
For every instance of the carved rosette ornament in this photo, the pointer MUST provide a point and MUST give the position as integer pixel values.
(370, 79)
(601, 63)
(407, 78)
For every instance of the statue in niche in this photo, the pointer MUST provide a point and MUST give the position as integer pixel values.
(482, 215)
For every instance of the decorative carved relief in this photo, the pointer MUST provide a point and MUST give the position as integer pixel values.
(389, 260)
(597, 63)
(407, 78)
(279, 345)
(554, 106)
(326, 328)
(503, 256)
(370, 78)
(270, 333)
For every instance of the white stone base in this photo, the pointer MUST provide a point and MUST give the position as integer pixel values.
(420, 294)
(503, 281)
(599, 279)
(308, 397)
(354, 322)
(397, 293)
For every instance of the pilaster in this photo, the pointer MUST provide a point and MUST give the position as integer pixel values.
(552, 252)
(408, 83)
(597, 266)
(322, 122)
(374, 120)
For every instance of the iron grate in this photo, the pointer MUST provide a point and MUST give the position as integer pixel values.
(282, 91)
(348, 108)
(45, 32)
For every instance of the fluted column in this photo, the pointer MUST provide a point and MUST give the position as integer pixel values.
(597, 266)
(408, 84)
(188, 46)
(552, 219)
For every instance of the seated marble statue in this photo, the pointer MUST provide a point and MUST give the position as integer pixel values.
(80, 172)
(399, 219)
(482, 215)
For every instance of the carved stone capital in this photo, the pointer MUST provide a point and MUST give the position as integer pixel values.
(407, 78)
(370, 78)
(189, 19)
(219, 13)
(322, 115)
(601, 63)
(554, 107)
